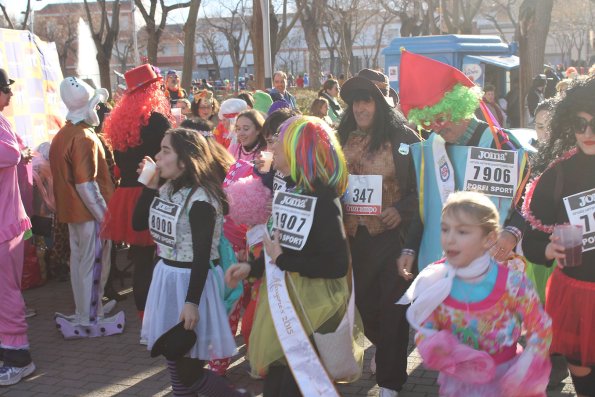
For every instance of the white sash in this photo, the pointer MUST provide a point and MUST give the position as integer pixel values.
(303, 361)
(443, 170)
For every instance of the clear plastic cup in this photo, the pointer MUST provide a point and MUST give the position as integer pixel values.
(177, 113)
(571, 237)
(147, 173)
(267, 157)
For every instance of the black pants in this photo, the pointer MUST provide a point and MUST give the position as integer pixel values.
(143, 260)
(377, 288)
(280, 382)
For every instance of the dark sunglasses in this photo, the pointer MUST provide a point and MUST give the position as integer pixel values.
(6, 90)
(579, 125)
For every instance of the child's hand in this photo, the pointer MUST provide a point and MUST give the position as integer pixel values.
(555, 250)
(236, 273)
(258, 162)
(189, 315)
(272, 246)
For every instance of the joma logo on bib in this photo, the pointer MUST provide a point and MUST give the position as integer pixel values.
(586, 200)
(161, 206)
(293, 202)
(491, 156)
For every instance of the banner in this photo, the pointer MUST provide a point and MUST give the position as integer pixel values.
(36, 110)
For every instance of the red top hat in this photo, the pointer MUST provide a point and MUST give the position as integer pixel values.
(424, 81)
(140, 77)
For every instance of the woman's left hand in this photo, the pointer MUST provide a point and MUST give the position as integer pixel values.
(272, 246)
(504, 245)
(189, 315)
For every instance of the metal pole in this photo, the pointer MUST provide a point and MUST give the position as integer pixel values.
(134, 36)
(266, 33)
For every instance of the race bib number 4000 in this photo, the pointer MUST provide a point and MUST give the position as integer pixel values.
(293, 215)
(581, 211)
(364, 195)
(163, 218)
(492, 172)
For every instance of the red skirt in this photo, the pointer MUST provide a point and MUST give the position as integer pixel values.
(571, 305)
(117, 225)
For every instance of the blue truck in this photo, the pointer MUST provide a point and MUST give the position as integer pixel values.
(484, 59)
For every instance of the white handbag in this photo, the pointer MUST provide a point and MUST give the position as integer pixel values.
(336, 348)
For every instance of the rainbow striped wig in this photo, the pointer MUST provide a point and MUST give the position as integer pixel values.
(313, 153)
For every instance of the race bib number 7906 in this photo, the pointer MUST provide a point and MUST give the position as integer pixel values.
(293, 215)
(492, 172)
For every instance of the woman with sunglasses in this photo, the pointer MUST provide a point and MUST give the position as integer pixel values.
(569, 178)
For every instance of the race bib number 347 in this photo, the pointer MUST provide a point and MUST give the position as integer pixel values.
(293, 215)
(492, 172)
(364, 195)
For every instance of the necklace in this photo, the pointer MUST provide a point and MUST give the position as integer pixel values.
(248, 151)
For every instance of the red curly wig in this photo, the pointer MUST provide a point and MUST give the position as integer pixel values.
(132, 112)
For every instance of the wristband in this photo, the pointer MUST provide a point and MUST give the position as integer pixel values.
(515, 231)
(407, 251)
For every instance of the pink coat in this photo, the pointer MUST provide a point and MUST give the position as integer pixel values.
(13, 218)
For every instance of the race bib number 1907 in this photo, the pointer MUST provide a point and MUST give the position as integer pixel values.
(293, 215)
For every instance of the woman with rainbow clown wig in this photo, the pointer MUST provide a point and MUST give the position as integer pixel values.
(306, 265)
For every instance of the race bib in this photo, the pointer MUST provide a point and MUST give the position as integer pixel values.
(163, 218)
(492, 172)
(293, 215)
(580, 208)
(364, 195)
(279, 183)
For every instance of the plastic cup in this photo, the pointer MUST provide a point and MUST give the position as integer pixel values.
(571, 237)
(147, 173)
(267, 157)
(177, 113)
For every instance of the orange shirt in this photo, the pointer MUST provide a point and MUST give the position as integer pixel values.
(76, 156)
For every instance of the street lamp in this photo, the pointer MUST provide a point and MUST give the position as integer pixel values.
(266, 33)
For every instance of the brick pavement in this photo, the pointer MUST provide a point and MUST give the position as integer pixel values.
(120, 366)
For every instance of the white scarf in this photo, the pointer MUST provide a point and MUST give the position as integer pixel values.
(432, 286)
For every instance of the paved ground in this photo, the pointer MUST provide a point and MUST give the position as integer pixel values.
(120, 366)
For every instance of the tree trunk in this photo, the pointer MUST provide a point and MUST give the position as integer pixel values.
(532, 32)
(189, 38)
(311, 19)
(152, 44)
(104, 70)
(256, 35)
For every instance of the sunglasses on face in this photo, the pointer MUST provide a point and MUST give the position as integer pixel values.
(6, 90)
(579, 125)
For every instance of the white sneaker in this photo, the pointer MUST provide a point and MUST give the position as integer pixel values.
(12, 375)
(384, 392)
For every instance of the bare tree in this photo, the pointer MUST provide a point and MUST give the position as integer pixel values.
(26, 14)
(458, 15)
(154, 30)
(104, 31)
(64, 35)
(417, 16)
(331, 39)
(211, 44)
(234, 29)
(498, 11)
(189, 39)
(282, 22)
(532, 32)
(122, 51)
(350, 17)
(311, 19)
(257, 38)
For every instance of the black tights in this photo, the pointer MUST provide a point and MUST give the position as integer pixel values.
(584, 385)
(280, 382)
(143, 260)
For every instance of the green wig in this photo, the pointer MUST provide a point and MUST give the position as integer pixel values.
(457, 104)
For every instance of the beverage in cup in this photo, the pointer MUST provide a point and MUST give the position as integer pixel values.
(267, 157)
(177, 113)
(571, 237)
(147, 173)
